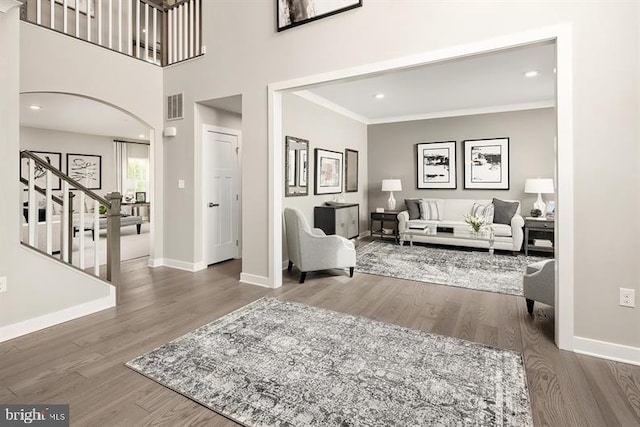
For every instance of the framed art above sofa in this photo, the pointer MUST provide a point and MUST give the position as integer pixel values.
(436, 167)
(486, 164)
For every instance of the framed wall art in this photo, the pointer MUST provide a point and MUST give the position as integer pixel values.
(436, 165)
(291, 13)
(328, 172)
(350, 171)
(53, 158)
(86, 169)
(486, 164)
(296, 168)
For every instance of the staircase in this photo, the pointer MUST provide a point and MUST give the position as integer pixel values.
(50, 220)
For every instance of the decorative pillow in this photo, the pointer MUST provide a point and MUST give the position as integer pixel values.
(413, 206)
(430, 211)
(485, 211)
(504, 211)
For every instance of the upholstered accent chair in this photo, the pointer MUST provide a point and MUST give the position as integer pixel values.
(312, 250)
(539, 283)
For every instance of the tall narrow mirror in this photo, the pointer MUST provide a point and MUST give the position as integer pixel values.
(296, 159)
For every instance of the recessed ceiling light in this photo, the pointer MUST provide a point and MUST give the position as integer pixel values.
(379, 95)
(531, 73)
(35, 107)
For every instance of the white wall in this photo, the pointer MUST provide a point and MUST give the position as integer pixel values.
(531, 136)
(327, 130)
(33, 59)
(252, 55)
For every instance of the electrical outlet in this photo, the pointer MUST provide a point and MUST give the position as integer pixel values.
(3, 284)
(627, 297)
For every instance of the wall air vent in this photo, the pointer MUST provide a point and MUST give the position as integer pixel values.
(175, 107)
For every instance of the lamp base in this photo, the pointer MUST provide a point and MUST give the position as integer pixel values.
(539, 204)
(391, 202)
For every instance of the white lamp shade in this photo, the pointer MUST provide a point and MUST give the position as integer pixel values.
(539, 186)
(391, 185)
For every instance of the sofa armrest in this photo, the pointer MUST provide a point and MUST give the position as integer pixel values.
(517, 225)
(403, 219)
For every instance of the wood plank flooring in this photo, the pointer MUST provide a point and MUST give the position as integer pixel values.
(82, 362)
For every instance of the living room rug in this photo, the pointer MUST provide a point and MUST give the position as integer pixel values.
(282, 363)
(461, 268)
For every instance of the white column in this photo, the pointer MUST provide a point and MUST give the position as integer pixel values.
(191, 28)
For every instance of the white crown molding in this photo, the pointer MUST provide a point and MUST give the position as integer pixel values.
(324, 102)
(7, 5)
(607, 350)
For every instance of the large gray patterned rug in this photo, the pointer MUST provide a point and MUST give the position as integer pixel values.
(277, 363)
(461, 268)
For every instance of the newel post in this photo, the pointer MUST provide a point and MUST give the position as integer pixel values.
(113, 240)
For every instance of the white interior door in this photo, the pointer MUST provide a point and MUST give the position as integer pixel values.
(220, 183)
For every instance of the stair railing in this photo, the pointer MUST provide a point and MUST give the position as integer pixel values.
(70, 223)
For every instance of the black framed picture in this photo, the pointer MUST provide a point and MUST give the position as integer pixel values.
(291, 13)
(52, 158)
(86, 169)
(486, 164)
(350, 171)
(328, 171)
(436, 165)
(141, 197)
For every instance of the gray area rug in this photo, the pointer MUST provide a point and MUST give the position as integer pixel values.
(277, 363)
(461, 268)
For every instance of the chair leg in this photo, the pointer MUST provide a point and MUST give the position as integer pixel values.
(351, 271)
(303, 276)
(290, 266)
(530, 306)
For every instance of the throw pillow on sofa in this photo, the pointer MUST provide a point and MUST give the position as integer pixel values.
(430, 211)
(487, 211)
(413, 207)
(504, 211)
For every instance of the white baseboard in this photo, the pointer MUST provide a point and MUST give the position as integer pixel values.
(179, 265)
(32, 325)
(253, 279)
(607, 350)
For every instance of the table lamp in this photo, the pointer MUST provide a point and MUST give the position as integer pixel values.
(391, 185)
(540, 186)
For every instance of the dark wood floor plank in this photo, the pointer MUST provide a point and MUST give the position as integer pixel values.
(82, 362)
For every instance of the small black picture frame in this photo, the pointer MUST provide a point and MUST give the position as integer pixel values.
(141, 197)
(85, 169)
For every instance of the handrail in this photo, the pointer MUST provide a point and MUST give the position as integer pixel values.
(76, 184)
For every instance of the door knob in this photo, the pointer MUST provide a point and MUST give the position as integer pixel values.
(212, 205)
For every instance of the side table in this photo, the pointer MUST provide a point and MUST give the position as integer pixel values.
(544, 227)
(377, 223)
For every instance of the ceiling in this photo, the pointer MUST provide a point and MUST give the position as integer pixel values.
(476, 84)
(491, 82)
(72, 113)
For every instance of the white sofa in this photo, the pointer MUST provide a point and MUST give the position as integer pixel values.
(452, 230)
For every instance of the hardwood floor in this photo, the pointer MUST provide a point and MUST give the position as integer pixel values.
(82, 362)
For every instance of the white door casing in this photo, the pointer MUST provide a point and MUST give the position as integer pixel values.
(220, 196)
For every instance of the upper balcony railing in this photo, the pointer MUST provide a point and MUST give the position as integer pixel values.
(137, 28)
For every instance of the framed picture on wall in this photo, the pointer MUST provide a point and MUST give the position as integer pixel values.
(303, 158)
(86, 169)
(486, 164)
(350, 171)
(436, 165)
(292, 13)
(328, 171)
(52, 158)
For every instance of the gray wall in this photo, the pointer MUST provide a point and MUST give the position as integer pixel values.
(392, 153)
(605, 98)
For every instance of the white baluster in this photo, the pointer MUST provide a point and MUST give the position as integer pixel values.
(39, 12)
(197, 28)
(65, 15)
(175, 35)
(155, 35)
(119, 25)
(49, 213)
(138, 29)
(130, 28)
(78, 18)
(185, 41)
(89, 20)
(81, 227)
(32, 212)
(100, 22)
(65, 221)
(191, 27)
(52, 5)
(180, 33)
(96, 238)
(110, 24)
(170, 37)
(146, 31)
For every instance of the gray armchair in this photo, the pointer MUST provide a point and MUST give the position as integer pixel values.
(312, 250)
(539, 283)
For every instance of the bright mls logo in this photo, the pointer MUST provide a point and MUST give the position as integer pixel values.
(34, 415)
